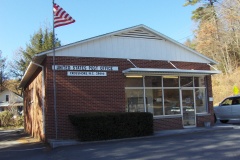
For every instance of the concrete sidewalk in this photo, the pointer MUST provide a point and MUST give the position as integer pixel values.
(58, 143)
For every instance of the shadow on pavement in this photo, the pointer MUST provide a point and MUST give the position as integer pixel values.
(17, 140)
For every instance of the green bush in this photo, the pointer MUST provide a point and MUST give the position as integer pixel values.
(6, 118)
(19, 121)
(104, 126)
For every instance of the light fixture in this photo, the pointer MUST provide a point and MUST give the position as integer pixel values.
(175, 77)
(134, 76)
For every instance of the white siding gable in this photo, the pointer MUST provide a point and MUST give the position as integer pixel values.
(131, 48)
(136, 43)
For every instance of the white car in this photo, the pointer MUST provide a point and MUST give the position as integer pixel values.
(228, 109)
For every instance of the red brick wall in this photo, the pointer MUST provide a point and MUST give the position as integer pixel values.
(167, 123)
(95, 94)
(83, 94)
(33, 106)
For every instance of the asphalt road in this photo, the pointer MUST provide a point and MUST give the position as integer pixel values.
(221, 144)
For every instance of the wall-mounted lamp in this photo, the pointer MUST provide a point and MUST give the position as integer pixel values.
(170, 77)
(134, 76)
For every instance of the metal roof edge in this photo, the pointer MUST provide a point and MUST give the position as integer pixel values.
(36, 59)
(21, 82)
(132, 70)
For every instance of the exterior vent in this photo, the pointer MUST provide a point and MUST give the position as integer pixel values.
(139, 33)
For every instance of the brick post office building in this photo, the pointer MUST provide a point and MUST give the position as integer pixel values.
(132, 70)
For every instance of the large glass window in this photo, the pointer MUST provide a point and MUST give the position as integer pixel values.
(134, 82)
(170, 81)
(154, 101)
(135, 101)
(199, 82)
(171, 101)
(200, 99)
(186, 81)
(163, 94)
(154, 81)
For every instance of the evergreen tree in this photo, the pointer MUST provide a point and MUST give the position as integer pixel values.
(40, 41)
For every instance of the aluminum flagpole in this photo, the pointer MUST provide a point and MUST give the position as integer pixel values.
(60, 18)
(54, 81)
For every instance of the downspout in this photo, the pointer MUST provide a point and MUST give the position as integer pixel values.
(43, 97)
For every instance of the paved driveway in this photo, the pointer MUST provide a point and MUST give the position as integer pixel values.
(219, 144)
(17, 140)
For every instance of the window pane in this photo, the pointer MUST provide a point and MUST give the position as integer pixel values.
(227, 102)
(171, 101)
(236, 101)
(186, 81)
(200, 98)
(7, 98)
(134, 100)
(170, 81)
(199, 82)
(154, 101)
(154, 81)
(134, 82)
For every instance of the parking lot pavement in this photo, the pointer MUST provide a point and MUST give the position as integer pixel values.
(218, 126)
(17, 140)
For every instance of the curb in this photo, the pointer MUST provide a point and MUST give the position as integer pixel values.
(60, 143)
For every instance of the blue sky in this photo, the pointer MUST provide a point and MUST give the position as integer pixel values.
(20, 19)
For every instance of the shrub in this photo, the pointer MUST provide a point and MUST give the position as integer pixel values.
(103, 126)
(19, 121)
(6, 118)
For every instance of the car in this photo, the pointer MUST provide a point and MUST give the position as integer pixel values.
(228, 109)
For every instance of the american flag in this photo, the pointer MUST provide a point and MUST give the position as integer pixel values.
(61, 17)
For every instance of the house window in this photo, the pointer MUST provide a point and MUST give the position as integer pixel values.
(7, 98)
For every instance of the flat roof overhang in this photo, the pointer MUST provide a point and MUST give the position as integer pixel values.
(159, 71)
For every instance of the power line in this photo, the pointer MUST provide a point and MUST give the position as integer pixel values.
(186, 37)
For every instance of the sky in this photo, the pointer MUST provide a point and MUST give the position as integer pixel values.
(20, 19)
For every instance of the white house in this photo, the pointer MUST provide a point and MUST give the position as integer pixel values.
(10, 101)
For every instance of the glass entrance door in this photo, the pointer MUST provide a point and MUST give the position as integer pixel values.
(188, 108)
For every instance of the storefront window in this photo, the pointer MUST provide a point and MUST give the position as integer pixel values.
(154, 101)
(135, 101)
(199, 82)
(186, 81)
(170, 81)
(134, 82)
(171, 102)
(163, 94)
(200, 99)
(154, 81)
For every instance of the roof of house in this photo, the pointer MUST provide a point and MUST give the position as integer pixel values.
(110, 45)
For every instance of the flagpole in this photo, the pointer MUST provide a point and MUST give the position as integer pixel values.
(54, 80)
